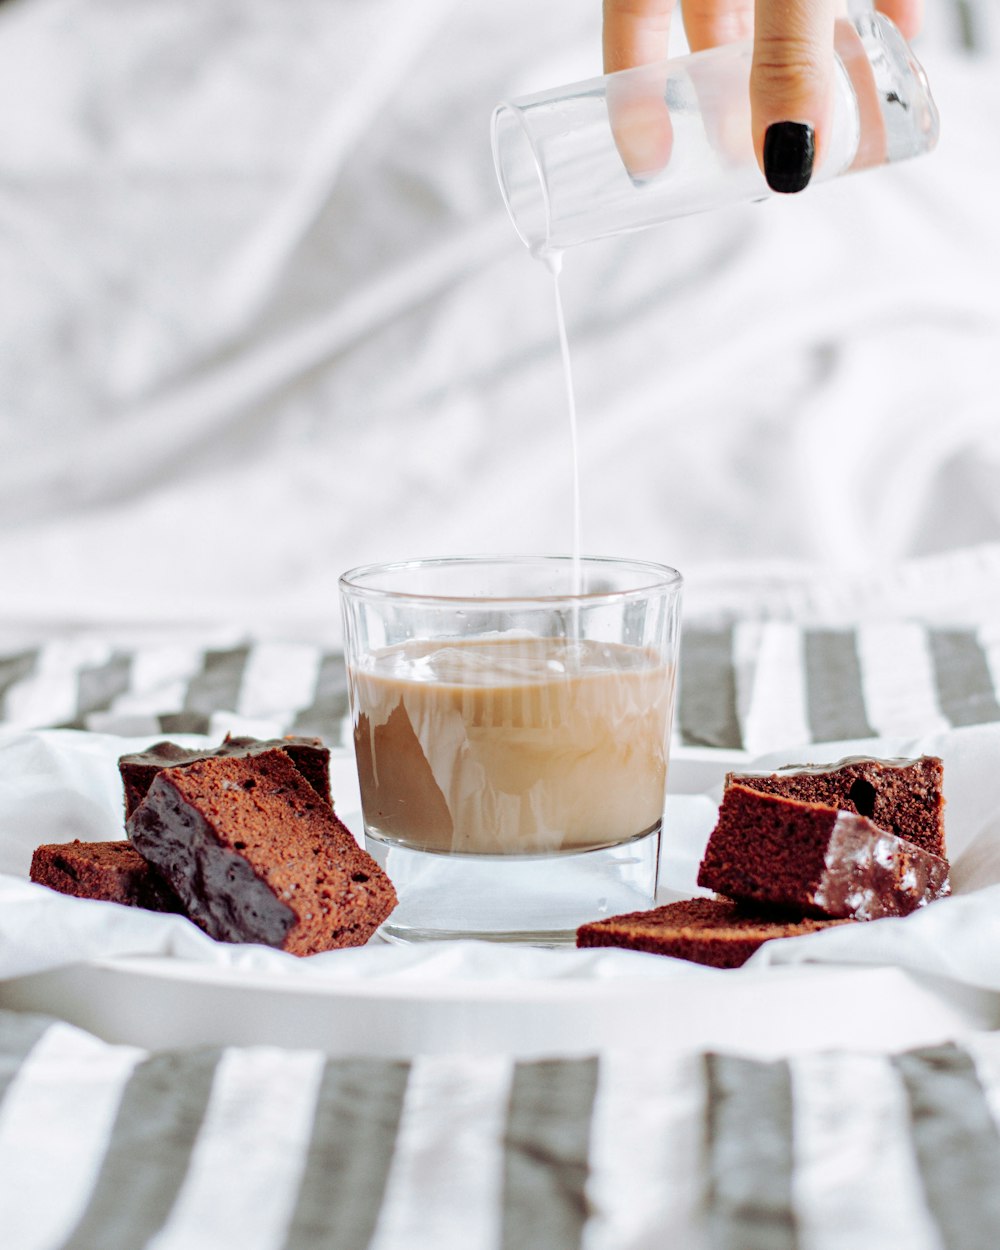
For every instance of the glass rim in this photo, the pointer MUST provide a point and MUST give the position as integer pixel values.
(664, 579)
(513, 111)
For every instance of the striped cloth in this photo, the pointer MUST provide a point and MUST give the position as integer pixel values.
(113, 1148)
(755, 686)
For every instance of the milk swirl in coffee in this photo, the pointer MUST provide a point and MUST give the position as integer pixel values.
(512, 745)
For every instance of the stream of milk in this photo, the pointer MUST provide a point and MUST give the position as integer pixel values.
(553, 262)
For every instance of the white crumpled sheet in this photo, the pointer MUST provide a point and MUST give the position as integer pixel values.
(255, 263)
(58, 785)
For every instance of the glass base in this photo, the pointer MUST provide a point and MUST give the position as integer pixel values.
(532, 900)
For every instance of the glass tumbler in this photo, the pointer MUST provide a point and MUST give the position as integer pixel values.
(641, 146)
(511, 720)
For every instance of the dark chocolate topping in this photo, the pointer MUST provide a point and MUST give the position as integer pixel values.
(869, 873)
(309, 755)
(169, 754)
(792, 770)
(220, 890)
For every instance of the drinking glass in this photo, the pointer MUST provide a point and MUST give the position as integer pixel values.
(511, 719)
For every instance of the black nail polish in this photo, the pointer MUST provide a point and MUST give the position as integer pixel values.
(789, 149)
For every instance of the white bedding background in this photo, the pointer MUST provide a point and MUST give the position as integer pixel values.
(263, 317)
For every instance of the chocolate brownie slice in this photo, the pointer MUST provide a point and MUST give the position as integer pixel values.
(710, 931)
(902, 796)
(255, 855)
(815, 859)
(309, 756)
(112, 871)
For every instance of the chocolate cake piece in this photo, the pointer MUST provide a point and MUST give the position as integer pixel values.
(815, 860)
(256, 855)
(309, 756)
(902, 796)
(112, 871)
(717, 932)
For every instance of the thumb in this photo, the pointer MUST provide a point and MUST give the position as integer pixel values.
(791, 83)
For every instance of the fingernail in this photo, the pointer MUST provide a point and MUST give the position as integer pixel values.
(789, 148)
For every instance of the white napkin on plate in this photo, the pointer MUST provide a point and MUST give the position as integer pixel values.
(57, 785)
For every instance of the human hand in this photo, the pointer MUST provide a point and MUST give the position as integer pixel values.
(791, 79)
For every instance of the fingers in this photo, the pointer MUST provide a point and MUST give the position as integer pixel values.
(636, 32)
(709, 23)
(791, 80)
(791, 84)
(908, 15)
(640, 121)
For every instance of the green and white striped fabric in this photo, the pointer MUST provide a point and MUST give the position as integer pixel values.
(759, 686)
(112, 1148)
(755, 686)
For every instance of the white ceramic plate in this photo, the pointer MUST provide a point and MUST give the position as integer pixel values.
(157, 1003)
